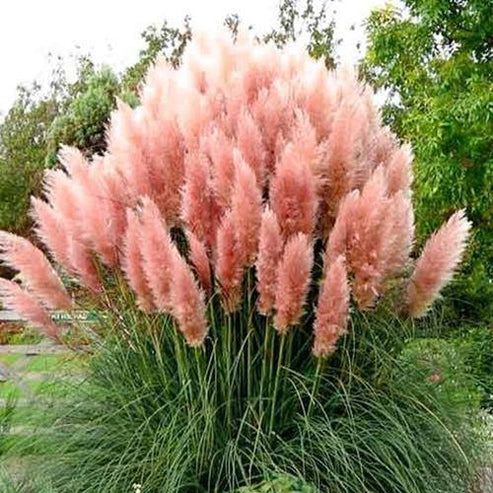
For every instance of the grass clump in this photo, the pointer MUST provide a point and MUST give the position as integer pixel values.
(242, 413)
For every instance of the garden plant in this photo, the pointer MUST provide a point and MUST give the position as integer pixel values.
(247, 238)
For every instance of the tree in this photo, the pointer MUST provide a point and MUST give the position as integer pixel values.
(435, 62)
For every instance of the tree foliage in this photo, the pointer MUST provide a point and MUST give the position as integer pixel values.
(435, 61)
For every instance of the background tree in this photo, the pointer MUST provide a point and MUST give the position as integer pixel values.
(435, 61)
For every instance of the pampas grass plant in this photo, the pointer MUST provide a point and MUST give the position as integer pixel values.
(248, 236)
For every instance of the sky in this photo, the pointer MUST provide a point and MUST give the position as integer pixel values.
(110, 30)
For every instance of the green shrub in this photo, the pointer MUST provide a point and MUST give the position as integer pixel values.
(83, 123)
(476, 347)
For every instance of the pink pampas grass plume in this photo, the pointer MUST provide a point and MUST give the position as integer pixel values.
(132, 263)
(246, 210)
(126, 143)
(37, 274)
(337, 243)
(438, 261)
(400, 233)
(74, 162)
(199, 209)
(51, 231)
(187, 302)
(95, 218)
(337, 168)
(62, 194)
(220, 150)
(84, 265)
(293, 280)
(157, 251)
(250, 144)
(398, 170)
(14, 298)
(200, 260)
(293, 194)
(368, 239)
(332, 310)
(270, 251)
(229, 265)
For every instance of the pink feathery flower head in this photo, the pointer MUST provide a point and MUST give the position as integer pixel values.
(229, 266)
(246, 210)
(156, 249)
(84, 265)
(293, 192)
(95, 216)
(269, 255)
(187, 302)
(200, 210)
(398, 170)
(126, 144)
(62, 194)
(200, 261)
(338, 167)
(14, 298)
(166, 167)
(435, 267)
(132, 263)
(399, 236)
(250, 143)
(368, 239)
(220, 150)
(293, 281)
(332, 310)
(75, 163)
(115, 203)
(36, 272)
(51, 231)
(337, 243)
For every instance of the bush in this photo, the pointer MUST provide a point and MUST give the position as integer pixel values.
(84, 120)
(476, 346)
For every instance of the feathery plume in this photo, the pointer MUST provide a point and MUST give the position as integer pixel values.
(132, 263)
(200, 210)
(187, 302)
(26, 306)
(368, 239)
(398, 170)
(435, 267)
(50, 230)
(250, 144)
(83, 265)
(126, 136)
(270, 251)
(332, 310)
(37, 274)
(293, 280)
(229, 265)
(156, 249)
(246, 210)
(337, 243)
(293, 192)
(399, 235)
(200, 261)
